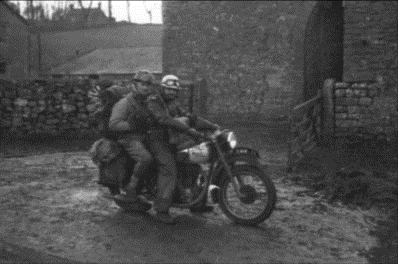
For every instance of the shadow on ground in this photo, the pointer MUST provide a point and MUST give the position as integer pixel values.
(191, 240)
(380, 161)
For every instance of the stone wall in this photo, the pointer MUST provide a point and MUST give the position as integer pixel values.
(371, 40)
(364, 109)
(32, 108)
(250, 53)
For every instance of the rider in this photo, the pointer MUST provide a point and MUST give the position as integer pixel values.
(170, 88)
(121, 90)
(148, 111)
(126, 119)
(157, 118)
(170, 85)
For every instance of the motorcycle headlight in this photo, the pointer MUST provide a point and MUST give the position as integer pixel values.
(232, 140)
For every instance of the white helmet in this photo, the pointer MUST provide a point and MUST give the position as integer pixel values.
(171, 82)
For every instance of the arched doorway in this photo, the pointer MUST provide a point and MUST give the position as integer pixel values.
(323, 46)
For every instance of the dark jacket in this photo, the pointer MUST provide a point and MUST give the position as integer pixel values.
(139, 113)
(196, 122)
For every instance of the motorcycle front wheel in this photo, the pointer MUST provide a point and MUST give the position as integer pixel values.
(258, 196)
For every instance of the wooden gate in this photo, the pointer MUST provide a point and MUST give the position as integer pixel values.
(187, 98)
(306, 130)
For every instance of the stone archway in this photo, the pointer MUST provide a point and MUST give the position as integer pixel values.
(323, 46)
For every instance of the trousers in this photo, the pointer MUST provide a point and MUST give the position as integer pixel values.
(167, 174)
(137, 151)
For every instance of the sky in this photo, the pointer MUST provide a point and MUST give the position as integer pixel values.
(119, 9)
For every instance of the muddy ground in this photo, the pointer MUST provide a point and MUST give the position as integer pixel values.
(51, 202)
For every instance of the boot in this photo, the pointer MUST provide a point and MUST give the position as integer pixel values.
(164, 217)
(131, 197)
(114, 190)
(201, 207)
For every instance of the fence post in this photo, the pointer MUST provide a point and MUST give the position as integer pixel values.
(328, 113)
(203, 94)
(191, 98)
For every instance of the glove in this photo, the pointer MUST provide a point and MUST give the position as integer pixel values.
(195, 134)
(175, 124)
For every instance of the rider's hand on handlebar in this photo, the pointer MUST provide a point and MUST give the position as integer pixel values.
(215, 133)
(196, 134)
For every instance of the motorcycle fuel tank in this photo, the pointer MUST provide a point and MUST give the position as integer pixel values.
(198, 154)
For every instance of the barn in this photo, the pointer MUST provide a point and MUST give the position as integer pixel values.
(260, 58)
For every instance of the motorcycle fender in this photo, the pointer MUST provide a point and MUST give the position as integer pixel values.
(236, 158)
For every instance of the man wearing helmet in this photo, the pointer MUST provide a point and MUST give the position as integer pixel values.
(169, 89)
(134, 116)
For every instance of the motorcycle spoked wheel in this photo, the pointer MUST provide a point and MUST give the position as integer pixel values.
(251, 196)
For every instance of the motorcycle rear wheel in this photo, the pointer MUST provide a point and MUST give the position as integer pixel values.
(232, 210)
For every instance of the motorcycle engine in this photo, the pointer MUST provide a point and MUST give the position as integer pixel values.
(188, 174)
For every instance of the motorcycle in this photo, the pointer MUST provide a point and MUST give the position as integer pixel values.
(214, 167)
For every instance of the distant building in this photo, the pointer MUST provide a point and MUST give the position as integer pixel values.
(19, 49)
(95, 16)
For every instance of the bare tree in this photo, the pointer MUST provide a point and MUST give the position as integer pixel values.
(58, 13)
(148, 12)
(128, 10)
(109, 10)
(86, 11)
(32, 10)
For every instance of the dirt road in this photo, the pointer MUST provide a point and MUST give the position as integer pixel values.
(52, 203)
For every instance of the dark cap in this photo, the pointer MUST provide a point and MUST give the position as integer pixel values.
(144, 76)
(105, 83)
(94, 76)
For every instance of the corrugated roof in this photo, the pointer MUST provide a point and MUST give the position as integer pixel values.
(114, 61)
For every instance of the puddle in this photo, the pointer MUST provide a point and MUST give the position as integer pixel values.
(85, 196)
(79, 162)
(42, 159)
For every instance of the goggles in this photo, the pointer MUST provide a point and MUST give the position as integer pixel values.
(172, 83)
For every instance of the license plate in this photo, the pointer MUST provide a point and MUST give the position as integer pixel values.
(246, 151)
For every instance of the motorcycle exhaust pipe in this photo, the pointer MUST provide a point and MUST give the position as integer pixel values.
(213, 191)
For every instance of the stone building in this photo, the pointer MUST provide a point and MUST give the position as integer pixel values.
(89, 17)
(260, 58)
(19, 49)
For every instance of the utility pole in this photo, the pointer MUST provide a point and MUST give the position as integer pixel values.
(129, 11)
